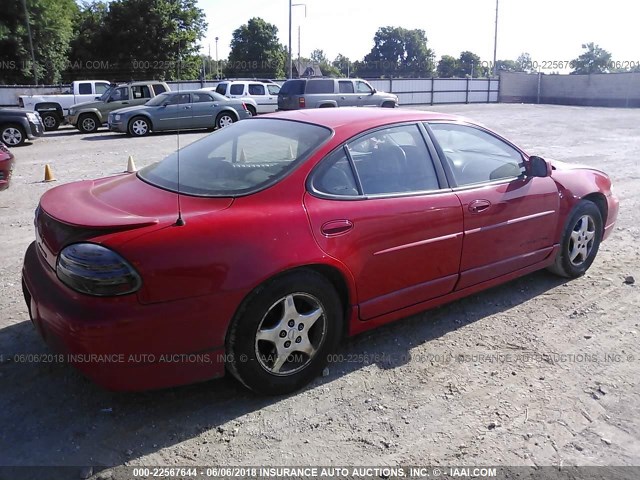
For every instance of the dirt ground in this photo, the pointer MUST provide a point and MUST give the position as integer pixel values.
(539, 371)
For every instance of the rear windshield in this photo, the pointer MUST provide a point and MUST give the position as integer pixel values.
(292, 87)
(242, 158)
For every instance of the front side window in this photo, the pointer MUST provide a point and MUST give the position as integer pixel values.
(240, 159)
(120, 94)
(363, 87)
(179, 99)
(159, 88)
(476, 156)
(101, 88)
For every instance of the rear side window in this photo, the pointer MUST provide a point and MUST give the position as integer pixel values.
(319, 86)
(140, 91)
(292, 87)
(335, 176)
(256, 89)
(221, 88)
(273, 89)
(159, 88)
(84, 88)
(201, 97)
(346, 86)
(237, 89)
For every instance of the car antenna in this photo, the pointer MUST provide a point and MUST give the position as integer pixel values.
(180, 221)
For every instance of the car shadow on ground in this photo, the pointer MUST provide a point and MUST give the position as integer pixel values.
(105, 429)
(92, 137)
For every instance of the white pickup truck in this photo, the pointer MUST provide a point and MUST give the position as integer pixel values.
(53, 108)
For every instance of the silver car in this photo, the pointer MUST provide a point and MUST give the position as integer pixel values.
(185, 110)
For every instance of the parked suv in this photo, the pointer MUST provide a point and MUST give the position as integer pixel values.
(88, 116)
(264, 93)
(332, 92)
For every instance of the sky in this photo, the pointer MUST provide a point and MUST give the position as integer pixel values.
(549, 30)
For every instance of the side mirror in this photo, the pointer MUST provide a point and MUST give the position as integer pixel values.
(538, 167)
(373, 91)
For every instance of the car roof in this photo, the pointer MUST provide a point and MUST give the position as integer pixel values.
(362, 117)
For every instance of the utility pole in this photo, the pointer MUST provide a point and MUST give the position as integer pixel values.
(495, 44)
(291, 5)
(33, 56)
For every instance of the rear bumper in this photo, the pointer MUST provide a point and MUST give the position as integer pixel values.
(6, 166)
(118, 342)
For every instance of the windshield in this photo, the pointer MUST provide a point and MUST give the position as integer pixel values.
(158, 100)
(105, 96)
(242, 158)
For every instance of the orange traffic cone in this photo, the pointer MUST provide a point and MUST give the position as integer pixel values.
(131, 166)
(48, 174)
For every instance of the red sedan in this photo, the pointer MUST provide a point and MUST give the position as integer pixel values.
(6, 166)
(260, 246)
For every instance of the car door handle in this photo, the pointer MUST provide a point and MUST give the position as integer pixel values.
(125, 103)
(333, 228)
(479, 206)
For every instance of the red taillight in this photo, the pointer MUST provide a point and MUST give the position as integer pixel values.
(301, 102)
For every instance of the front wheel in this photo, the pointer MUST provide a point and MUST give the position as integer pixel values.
(224, 120)
(51, 121)
(12, 135)
(139, 127)
(580, 241)
(283, 333)
(88, 123)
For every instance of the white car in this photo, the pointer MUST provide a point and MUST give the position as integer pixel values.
(265, 94)
(252, 105)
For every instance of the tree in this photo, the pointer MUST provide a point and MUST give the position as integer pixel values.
(256, 51)
(398, 52)
(447, 66)
(51, 23)
(318, 56)
(343, 65)
(469, 65)
(594, 60)
(525, 64)
(506, 66)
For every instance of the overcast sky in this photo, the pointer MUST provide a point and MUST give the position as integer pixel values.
(547, 29)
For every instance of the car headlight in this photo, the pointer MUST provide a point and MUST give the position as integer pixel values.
(32, 117)
(117, 117)
(96, 270)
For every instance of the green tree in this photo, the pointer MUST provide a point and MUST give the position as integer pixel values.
(594, 60)
(469, 65)
(51, 23)
(447, 66)
(328, 69)
(343, 65)
(506, 66)
(256, 51)
(399, 52)
(118, 45)
(525, 64)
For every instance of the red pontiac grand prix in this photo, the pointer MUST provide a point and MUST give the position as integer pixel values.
(284, 233)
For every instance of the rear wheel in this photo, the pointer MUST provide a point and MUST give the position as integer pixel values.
(12, 135)
(580, 241)
(88, 123)
(224, 120)
(282, 334)
(50, 120)
(252, 110)
(139, 126)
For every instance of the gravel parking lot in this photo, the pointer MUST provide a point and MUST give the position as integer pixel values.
(539, 371)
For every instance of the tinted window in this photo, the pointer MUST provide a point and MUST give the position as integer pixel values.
(84, 88)
(179, 99)
(101, 88)
(334, 176)
(393, 160)
(201, 97)
(236, 89)
(346, 86)
(238, 159)
(363, 87)
(256, 89)
(476, 156)
(159, 88)
(221, 88)
(119, 94)
(292, 87)
(319, 86)
(140, 91)
(273, 89)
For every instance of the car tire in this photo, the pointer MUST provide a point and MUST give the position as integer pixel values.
(50, 120)
(252, 110)
(224, 119)
(580, 241)
(12, 135)
(388, 105)
(327, 105)
(139, 127)
(88, 123)
(298, 310)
